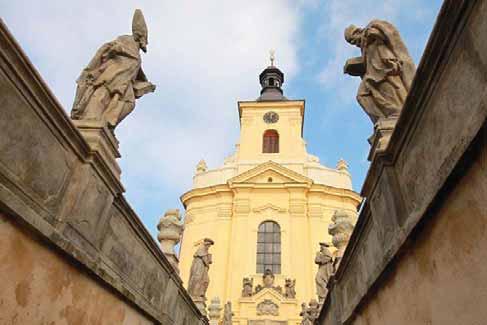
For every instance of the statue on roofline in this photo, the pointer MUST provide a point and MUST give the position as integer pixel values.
(114, 79)
(385, 66)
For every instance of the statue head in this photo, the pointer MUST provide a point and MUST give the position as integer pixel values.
(268, 278)
(324, 246)
(139, 30)
(208, 242)
(353, 35)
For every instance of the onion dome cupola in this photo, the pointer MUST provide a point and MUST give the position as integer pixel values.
(271, 80)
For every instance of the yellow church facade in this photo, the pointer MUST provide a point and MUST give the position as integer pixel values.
(266, 209)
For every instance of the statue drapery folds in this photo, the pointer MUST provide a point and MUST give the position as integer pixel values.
(114, 79)
(199, 278)
(386, 68)
(324, 259)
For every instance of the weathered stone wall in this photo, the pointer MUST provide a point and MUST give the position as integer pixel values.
(39, 286)
(417, 254)
(442, 276)
(91, 251)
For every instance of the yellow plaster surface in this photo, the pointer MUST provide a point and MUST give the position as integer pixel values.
(290, 187)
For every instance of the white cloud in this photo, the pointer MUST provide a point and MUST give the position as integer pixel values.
(202, 55)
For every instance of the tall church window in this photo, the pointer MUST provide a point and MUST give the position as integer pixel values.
(269, 247)
(270, 142)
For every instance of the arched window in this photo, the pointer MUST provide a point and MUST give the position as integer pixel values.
(270, 143)
(269, 247)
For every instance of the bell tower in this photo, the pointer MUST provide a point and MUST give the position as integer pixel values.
(266, 208)
(271, 126)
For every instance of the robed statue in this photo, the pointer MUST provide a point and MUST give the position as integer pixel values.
(108, 86)
(385, 66)
(198, 277)
(324, 260)
(227, 314)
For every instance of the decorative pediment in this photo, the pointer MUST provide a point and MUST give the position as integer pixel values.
(269, 173)
(269, 207)
(269, 293)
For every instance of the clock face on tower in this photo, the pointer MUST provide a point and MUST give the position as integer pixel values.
(271, 117)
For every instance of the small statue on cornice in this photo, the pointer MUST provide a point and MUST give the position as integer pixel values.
(248, 286)
(290, 289)
(310, 312)
(201, 167)
(227, 314)
(268, 278)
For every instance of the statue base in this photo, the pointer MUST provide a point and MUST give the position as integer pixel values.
(102, 143)
(173, 260)
(200, 303)
(382, 134)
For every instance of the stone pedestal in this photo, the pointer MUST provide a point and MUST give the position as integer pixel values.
(382, 134)
(102, 143)
(200, 303)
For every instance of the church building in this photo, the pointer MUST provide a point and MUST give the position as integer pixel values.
(266, 210)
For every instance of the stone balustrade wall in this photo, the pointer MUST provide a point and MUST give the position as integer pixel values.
(71, 247)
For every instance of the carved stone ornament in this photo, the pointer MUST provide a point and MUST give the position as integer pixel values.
(267, 307)
(109, 86)
(310, 312)
(170, 229)
(268, 282)
(341, 230)
(290, 289)
(214, 309)
(247, 287)
(201, 167)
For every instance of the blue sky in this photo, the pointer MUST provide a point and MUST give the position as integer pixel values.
(204, 56)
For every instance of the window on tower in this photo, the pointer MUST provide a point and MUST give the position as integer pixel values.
(270, 143)
(269, 247)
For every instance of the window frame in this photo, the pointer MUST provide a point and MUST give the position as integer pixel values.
(269, 252)
(270, 141)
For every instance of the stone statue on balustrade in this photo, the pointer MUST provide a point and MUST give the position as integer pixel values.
(198, 277)
(290, 289)
(309, 313)
(324, 259)
(247, 287)
(341, 229)
(170, 229)
(227, 314)
(385, 66)
(114, 79)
